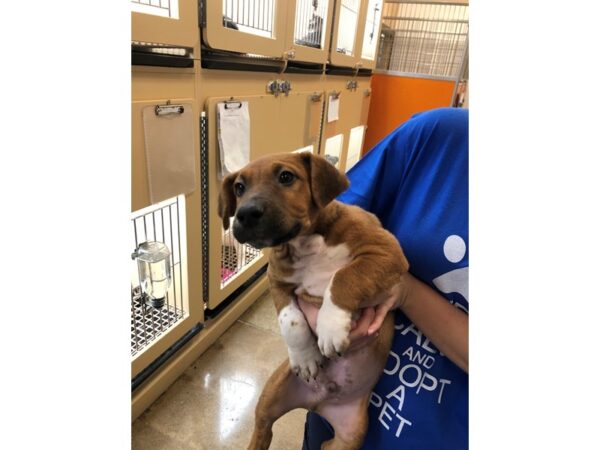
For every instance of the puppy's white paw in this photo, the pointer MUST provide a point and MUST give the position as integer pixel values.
(305, 362)
(333, 328)
(304, 354)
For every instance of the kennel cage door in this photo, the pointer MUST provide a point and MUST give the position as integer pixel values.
(345, 45)
(369, 38)
(165, 22)
(156, 329)
(231, 264)
(308, 31)
(243, 26)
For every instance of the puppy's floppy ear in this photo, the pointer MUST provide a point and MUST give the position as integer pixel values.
(227, 202)
(326, 182)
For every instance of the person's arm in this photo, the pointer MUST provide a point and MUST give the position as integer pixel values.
(443, 324)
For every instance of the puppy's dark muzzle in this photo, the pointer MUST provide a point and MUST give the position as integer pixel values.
(261, 224)
(250, 214)
(252, 224)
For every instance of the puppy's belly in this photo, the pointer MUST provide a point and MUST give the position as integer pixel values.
(346, 378)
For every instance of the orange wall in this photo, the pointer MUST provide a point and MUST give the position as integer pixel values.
(395, 99)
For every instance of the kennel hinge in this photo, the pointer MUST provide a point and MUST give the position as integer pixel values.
(202, 13)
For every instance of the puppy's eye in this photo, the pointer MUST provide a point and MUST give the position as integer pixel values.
(238, 189)
(286, 177)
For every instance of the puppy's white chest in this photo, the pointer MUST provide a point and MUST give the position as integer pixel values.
(315, 263)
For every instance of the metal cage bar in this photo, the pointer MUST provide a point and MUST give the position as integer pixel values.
(159, 7)
(148, 323)
(425, 39)
(250, 16)
(310, 22)
(235, 257)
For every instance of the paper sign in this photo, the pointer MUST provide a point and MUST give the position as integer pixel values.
(234, 136)
(333, 110)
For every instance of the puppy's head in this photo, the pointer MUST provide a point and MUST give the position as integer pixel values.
(277, 197)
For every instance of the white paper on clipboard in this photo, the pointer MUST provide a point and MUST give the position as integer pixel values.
(333, 109)
(233, 125)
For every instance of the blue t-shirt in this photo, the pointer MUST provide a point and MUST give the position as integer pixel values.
(416, 182)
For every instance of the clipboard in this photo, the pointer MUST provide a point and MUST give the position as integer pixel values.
(169, 146)
(233, 130)
(333, 107)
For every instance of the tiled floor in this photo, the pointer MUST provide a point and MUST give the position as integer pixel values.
(211, 406)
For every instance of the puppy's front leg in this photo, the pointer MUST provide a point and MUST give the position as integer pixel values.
(334, 321)
(305, 357)
(351, 286)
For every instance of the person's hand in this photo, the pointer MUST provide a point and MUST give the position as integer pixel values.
(359, 329)
(397, 298)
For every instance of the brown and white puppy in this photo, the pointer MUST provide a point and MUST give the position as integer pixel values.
(328, 253)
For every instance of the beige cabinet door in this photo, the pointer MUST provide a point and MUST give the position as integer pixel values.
(353, 110)
(300, 120)
(254, 27)
(159, 22)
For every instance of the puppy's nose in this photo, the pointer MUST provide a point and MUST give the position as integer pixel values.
(249, 214)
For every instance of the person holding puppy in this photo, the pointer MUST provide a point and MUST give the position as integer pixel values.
(416, 182)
